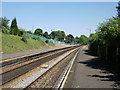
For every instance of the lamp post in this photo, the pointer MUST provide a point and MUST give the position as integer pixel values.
(32, 28)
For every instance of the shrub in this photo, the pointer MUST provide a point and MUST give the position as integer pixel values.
(46, 41)
(35, 38)
(24, 38)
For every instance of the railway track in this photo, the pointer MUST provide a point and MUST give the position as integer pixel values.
(13, 68)
(24, 58)
(55, 77)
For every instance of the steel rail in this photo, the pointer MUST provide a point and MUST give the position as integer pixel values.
(10, 75)
(27, 87)
(28, 62)
(59, 84)
(24, 58)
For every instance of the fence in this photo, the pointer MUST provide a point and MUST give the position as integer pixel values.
(44, 39)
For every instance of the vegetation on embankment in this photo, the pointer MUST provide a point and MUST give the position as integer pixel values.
(56, 35)
(12, 44)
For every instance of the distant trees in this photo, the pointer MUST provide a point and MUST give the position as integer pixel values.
(29, 32)
(38, 31)
(4, 25)
(58, 35)
(77, 39)
(55, 35)
(46, 35)
(69, 38)
(83, 40)
(14, 28)
(4, 22)
(118, 9)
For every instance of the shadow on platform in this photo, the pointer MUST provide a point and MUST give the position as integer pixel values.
(88, 52)
(97, 63)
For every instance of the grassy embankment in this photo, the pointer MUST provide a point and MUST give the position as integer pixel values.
(13, 44)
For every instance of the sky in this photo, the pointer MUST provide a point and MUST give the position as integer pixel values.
(76, 18)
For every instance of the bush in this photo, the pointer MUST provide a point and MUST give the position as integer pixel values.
(24, 38)
(20, 33)
(35, 38)
(46, 41)
(4, 30)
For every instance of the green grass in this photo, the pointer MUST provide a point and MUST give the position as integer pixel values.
(51, 44)
(13, 44)
(0, 42)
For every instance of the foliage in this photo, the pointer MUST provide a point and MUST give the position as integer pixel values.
(118, 9)
(38, 31)
(29, 32)
(109, 31)
(46, 41)
(58, 35)
(4, 25)
(4, 22)
(24, 38)
(46, 35)
(14, 28)
(106, 42)
(35, 38)
(21, 33)
(4, 29)
(94, 41)
(83, 40)
(77, 39)
(69, 38)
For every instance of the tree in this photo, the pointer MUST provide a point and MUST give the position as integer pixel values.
(53, 34)
(4, 22)
(118, 9)
(38, 31)
(58, 35)
(77, 39)
(106, 41)
(69, 38)
(109, 31)
(83, 40)
(14, 28)
(46, 35)
(4, 25)
(29, 32)
(94, 41)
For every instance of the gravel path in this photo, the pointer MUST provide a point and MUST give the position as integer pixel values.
(6, 56)
(87, 73)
